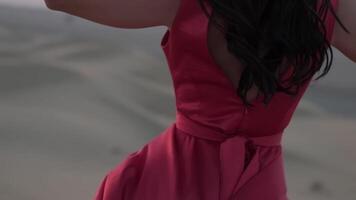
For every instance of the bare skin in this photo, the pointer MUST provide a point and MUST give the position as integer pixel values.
(120, 13)
(141, 14)
(344, 42)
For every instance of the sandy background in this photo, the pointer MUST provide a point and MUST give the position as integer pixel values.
(76, 97)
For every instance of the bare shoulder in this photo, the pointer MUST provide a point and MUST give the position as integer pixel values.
(120, 13)
(343, 41)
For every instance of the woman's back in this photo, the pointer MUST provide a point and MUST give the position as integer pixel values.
(217, 148)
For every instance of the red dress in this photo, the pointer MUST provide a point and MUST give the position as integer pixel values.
(216, 149)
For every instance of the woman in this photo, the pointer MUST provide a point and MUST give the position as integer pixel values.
(237, 82)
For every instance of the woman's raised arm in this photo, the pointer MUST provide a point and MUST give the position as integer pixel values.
(343, 41)
(120, 13)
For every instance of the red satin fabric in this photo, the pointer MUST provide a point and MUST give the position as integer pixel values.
(216, 149)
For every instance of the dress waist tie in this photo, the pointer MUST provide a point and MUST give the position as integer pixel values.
(240, 157)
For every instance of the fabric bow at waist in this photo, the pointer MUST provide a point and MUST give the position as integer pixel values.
(240, 155)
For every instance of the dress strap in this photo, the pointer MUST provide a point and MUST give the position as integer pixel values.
(329, 18)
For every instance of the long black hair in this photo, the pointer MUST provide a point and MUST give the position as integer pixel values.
(262, 33)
